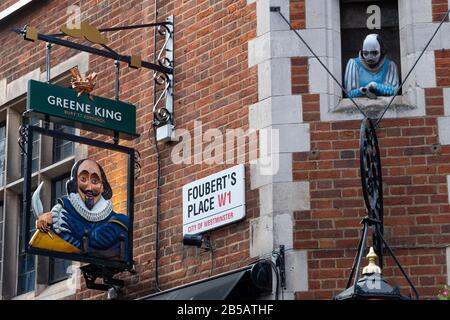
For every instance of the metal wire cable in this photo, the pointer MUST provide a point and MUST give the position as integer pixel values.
(277, 9)
(410, 71)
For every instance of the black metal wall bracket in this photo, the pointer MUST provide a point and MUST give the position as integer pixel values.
(162, 65)
(367, 222)
(163, 119)
(23, 139)
(281, 265)
(31, 34)
(92, 272)
(372, 186)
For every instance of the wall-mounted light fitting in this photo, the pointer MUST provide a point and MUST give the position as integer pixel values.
(198, 240)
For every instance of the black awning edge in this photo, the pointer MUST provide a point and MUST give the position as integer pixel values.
(217, 287)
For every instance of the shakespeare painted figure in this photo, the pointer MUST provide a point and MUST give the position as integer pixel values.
(371, 74)
(83, 221)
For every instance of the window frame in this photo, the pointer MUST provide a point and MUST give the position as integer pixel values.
(325, 39)
(3, 172)
(51, 263)
(12, 106)
(22, 254)
(55, 146)
(395, 54)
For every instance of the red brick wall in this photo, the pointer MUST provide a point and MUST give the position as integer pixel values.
(443, 67)
(213, 84)
(297, 14)
(440, 8)
(416, 209)
(300, 75)
(300, 85)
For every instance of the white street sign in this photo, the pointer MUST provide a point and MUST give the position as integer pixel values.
(214, 201)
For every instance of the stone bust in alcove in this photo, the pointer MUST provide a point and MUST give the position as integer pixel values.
(371, 74)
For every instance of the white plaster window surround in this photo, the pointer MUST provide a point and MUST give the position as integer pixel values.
(19, 87)
(447, 101)
(15, 91)
(57, 291)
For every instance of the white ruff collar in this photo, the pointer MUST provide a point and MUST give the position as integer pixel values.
(369, 68)
(98, 213)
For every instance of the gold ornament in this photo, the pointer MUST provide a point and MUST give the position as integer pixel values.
(87, 32)
(83, 85)
(371, 267)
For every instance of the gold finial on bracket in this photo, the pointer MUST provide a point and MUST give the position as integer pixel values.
(31, 33)
(87, 32)
(135, 61)
(83, 85)
(371, 267)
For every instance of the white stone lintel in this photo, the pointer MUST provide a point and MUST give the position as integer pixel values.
(447, 101)
(293, 137)
(276, 110)
(261, 236)
(259, 175)
(19, 87)
(284, 196)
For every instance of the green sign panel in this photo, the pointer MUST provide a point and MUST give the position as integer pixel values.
(101, 115)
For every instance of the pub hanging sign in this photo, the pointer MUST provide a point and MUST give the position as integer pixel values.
(83, 225)
(101, 115)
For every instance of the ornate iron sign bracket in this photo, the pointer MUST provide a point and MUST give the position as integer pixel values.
(110, 284)
(162, 66)
(31, 34)
(371, 180)
(372, 185)
(163, 115)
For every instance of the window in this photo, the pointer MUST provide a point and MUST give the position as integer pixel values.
(27, 262)
(2, 152)
(362, 17)
(1, 240)
(50, 160)
(58, 267)
(63, 149)
(36, 147)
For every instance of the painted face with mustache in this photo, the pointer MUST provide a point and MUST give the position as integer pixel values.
(90, 184)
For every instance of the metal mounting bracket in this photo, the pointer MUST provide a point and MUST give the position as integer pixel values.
(163, 116)
(91, 272)
(282, 266)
